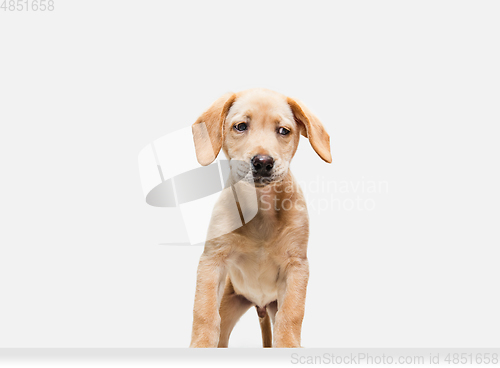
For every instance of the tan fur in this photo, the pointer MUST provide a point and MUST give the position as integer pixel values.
(265, 326)
(264, 263)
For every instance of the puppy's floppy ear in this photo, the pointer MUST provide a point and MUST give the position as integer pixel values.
(208, 129)
(314, 129)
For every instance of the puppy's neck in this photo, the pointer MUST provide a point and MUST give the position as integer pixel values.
(277, 203)
(277, 198)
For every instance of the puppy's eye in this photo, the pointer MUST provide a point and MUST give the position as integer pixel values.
(240, 127)
(283, 131)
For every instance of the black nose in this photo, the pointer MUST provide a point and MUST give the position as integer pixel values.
(263, 164)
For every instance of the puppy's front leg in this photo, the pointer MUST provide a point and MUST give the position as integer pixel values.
(209, 286)
(291, 305)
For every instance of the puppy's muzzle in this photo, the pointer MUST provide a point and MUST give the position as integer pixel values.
(262, 168)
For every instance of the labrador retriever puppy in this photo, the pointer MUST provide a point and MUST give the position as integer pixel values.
(264, 262)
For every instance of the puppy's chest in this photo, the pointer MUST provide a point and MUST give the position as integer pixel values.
(255, 275)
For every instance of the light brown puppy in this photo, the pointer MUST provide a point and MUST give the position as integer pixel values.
(263, 263)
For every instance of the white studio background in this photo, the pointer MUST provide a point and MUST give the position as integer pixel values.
(408, 91)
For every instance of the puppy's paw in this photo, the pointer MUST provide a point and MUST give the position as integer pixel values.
(203, 343)
(286, 342)
(205, 340)
(286, 345)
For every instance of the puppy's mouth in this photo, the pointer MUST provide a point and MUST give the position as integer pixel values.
(262, 181)
(243, 171)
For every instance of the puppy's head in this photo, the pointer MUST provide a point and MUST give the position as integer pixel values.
(259, 132)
